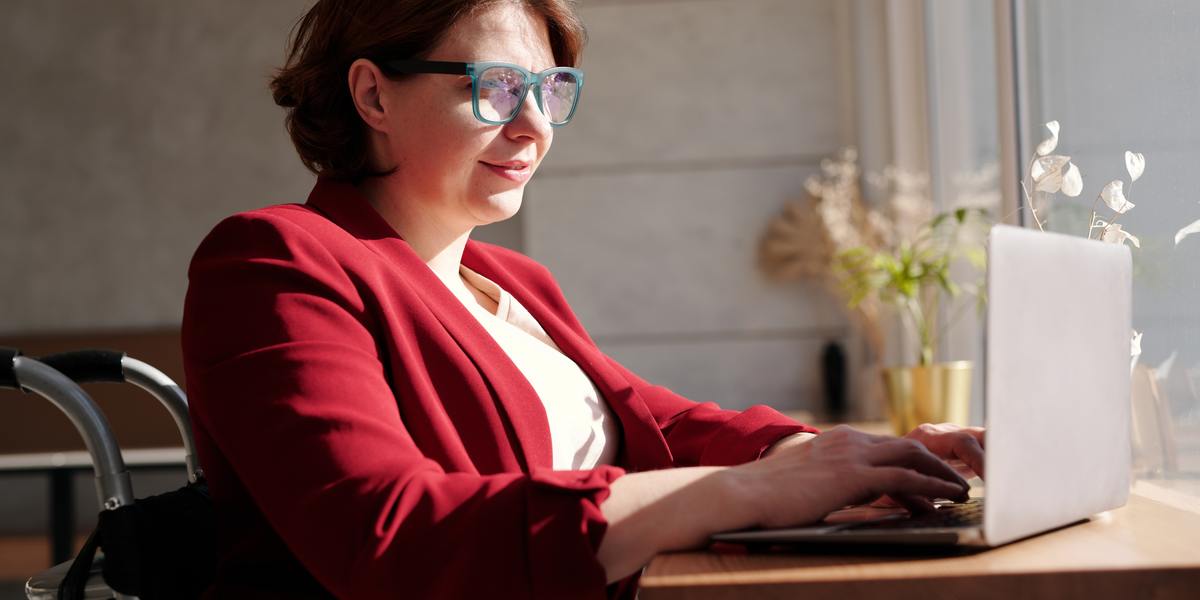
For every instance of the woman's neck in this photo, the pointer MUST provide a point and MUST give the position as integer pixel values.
(439, 241)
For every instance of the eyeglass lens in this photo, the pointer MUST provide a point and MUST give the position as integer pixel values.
(501, 90)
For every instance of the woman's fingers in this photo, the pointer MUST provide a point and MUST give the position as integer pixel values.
(900, 483)
(912, 454)
(951, 441)
(962, 446)
(978, 433)
(955, 442)
(885, 501)
(913, 503)
(970, 451)
(962, 469)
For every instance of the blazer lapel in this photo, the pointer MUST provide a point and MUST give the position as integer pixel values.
(646, 449)
(344, 205)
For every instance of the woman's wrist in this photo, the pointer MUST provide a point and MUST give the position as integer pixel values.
(705, 501)
(792, 440)
(666, 510)
(724, 499)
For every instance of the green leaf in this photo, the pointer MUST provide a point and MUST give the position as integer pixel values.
(977, 257)
(914, 275)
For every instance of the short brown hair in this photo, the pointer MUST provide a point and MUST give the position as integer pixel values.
(321, 118)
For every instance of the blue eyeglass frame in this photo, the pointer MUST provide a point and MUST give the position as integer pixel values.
(475, 69)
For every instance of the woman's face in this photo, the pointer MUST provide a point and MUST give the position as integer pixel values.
(470, 173)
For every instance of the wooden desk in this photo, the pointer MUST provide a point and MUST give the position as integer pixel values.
(1146, 549)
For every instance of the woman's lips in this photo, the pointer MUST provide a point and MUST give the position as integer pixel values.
(518, 172)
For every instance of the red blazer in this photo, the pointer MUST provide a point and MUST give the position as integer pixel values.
(364, 436)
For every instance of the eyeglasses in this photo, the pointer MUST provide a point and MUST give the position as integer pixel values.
(498, 89)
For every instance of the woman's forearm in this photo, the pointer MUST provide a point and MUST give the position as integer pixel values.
(669, 509)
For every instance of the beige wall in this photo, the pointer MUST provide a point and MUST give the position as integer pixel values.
(699, 120)
(130, 128)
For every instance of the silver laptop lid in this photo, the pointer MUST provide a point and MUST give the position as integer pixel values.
(1058, 381)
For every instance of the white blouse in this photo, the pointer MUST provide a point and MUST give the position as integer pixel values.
(583, 431)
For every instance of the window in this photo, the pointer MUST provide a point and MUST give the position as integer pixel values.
(1122, 76)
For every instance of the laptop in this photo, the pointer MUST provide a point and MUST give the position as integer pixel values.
(1057, 403)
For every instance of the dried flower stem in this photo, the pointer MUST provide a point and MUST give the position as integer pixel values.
(1092, 225)
(1032, 210)
(1028, 199)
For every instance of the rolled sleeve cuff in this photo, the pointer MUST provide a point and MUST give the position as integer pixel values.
(745, 437)
(565, 530)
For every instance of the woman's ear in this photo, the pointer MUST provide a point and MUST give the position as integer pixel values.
(365, 81)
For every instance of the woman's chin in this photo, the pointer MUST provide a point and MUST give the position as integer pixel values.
(502, 205)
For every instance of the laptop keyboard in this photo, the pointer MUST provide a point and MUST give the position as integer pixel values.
(963, 514)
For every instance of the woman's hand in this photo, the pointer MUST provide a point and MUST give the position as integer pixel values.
(953, 443)
(803, 482)
(961, 447)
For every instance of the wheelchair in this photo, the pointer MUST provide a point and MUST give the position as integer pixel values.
(157, 547)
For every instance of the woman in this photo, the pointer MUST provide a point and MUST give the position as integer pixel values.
(385, 408)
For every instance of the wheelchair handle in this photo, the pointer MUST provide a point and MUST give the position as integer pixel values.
(113, 485)
(90, 366)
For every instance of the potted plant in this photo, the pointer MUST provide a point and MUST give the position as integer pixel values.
(913, 276)
(898, 256)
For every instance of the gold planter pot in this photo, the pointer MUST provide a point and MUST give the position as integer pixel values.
(937, 393)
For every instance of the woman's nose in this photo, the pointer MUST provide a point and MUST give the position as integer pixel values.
(529, 122)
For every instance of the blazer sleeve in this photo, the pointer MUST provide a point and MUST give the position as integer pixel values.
(697, 433)
(285, 376)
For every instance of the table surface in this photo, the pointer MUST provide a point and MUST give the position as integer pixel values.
(1150, 548)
